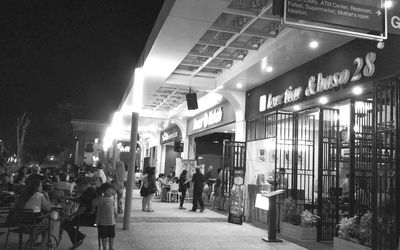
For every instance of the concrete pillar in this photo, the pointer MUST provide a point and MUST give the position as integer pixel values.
(131, 171)
(240, 131)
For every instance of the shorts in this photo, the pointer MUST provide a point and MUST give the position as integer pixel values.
(106, 231)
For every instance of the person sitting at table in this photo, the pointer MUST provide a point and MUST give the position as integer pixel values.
(83, 215)
(62, 188)
(5, 185)
(38, 201)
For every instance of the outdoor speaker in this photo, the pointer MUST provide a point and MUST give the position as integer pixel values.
(178, 146)
(191, 101)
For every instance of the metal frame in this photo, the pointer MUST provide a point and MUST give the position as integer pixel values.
(336, 31)
(386, 176)
(328, 173)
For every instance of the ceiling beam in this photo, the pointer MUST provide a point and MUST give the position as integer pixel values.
(233, 38)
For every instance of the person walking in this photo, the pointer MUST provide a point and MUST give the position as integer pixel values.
(119, 184)
(184, 184)
(198, 180)
(144, 189)
(106, 215)
(152, 188)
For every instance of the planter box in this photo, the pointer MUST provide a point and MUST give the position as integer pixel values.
(298, 232)
(341, 244)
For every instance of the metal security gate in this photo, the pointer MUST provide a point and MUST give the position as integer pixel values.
(328, 173)
(304, 161)
(386, 183)
(360, 178)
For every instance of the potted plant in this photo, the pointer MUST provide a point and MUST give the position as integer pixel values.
(354, 233)
(296, 225)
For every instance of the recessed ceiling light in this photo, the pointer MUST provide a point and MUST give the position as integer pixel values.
(225, 131)
(296, 107)
(314, 44)
(357, 90)
(239, 85)
(323, 100)
(269, 69)
(233, 129)
(180, 117)
(388, 4)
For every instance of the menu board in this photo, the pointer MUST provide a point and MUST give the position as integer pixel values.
(236, 198)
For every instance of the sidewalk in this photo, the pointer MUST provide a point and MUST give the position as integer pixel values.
(172, 228)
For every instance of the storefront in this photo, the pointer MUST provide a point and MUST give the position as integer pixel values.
(207, 133)
(313, 131)
(170, 140)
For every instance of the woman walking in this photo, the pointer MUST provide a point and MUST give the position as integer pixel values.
(152, 188)
(184, 184)
(144, 189)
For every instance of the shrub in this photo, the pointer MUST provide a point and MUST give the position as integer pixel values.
(308, 219)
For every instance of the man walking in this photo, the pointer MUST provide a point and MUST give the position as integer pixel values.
(198, 185)
(119, 184)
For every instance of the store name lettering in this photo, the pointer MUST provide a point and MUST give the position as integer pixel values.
(364, 67)
(165, 136)
(289, 96)
(209, 118)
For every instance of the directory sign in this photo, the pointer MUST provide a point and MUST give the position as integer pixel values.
(353, 17)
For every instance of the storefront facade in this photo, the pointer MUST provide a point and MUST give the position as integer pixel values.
(207, 132)
(169, 139)
(311, 132)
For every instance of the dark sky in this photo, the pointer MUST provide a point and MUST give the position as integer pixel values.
(81, 52)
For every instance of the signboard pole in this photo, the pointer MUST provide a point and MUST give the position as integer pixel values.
(272, 217)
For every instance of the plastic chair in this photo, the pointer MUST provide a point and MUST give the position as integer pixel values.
(23, 221)
(173, 191)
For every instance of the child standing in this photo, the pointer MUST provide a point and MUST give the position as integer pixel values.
(106, 214)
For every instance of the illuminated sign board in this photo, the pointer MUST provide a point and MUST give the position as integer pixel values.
(207, 119)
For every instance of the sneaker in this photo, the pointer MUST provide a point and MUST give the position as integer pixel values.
(202, 210)
(182, 208)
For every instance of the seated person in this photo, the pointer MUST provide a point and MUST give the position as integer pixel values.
(83, 215)
(62, 188)
(5, 185)
(35, 199)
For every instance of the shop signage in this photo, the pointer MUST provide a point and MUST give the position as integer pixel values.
(165, 136)
(320, 83)
(170, 134)
(209, 118)
(337, 12)
(394, 22)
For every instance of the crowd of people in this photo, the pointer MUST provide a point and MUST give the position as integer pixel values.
(86, 194)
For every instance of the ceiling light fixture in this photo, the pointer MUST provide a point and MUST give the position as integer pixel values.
(357, 90)
(269, 69)
(225, 131)
(323, 100)
(180, 117)
(239, 85)
(314, 44)
(296, 107)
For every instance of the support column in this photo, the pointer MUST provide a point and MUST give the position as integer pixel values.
(240, 131)
(185, 153)
(115, 154)
(131, 171)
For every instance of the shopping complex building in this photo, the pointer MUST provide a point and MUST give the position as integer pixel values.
(281, 105)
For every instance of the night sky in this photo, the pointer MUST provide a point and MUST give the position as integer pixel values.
(76, 52)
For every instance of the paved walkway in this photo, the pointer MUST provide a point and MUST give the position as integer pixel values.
(172, 228)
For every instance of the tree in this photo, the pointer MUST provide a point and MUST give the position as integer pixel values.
(21, 125)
